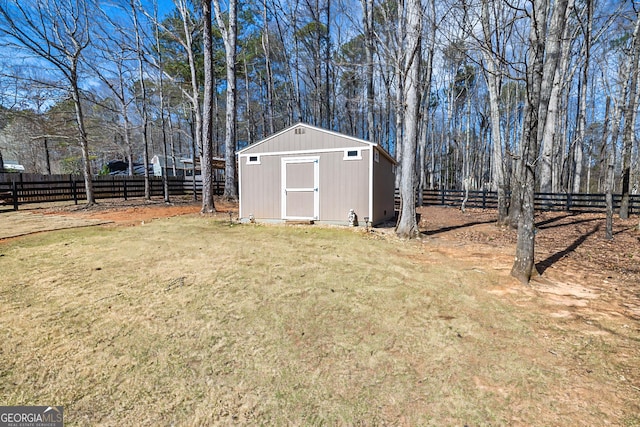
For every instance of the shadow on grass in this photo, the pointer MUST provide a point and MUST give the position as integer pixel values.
(546, 263)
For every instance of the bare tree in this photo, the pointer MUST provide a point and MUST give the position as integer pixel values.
(609, 147)
(266, 47)
(367, 20)
(143, 101)
(493, 75)
(545, 43)
(57, 32)
(407, 226)
(186, 41)
(208, 205)
(163, 121)
(630, 117)
(229, 31)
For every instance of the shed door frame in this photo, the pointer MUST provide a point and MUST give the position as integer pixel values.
(315, 161)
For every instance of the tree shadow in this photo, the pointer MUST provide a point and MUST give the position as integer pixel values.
(544, 225)
(540, 224)
(546, 263)
(455, 227)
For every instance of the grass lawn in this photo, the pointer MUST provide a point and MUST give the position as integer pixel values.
(191, 321)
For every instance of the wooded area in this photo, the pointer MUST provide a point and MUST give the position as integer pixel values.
(511, 97)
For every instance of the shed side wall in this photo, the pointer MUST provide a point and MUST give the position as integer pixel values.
(383, 190)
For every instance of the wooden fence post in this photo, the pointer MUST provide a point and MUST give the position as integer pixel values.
(14, 191)
(124, 182)
(74, 189)
(569, 201)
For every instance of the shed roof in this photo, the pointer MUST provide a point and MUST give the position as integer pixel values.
(308, 126)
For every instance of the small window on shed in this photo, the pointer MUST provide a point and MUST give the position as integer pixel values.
(253, 160)
(352, 154)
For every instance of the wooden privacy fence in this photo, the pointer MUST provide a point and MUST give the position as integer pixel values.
(18, 189)
(543, 201)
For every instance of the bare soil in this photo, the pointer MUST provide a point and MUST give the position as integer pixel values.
(577, 266)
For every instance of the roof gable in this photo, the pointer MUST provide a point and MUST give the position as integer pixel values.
(304, 137)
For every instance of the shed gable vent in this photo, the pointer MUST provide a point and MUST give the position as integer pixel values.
(299, 131)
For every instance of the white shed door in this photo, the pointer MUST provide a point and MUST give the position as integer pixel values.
(300, 198)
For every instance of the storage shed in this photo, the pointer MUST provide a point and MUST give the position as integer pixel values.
(305, 173)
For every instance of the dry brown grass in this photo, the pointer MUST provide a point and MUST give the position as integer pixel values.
(190, 321)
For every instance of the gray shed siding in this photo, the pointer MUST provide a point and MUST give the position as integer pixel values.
(383, 190)
(260, 188)
(343, 186)
(344, 180)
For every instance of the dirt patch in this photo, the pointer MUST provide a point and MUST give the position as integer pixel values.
(136, 211)
(578, 267)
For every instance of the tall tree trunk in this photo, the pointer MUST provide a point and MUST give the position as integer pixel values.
(47, 156)
(327, 70)
(630, 115)
(426, 94)
(172, 143)
(610, 148)
(84, 140)
(194, 97)
(545, 51)
(550, 138)
(145, 114)
(206, 164)
(367, 19)
(165, 178)
(582, 119)
(266, 47)
(493, 79)
(399, 120)
(407, 226)
(466, 155)
(578, 147)
(230, 36)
